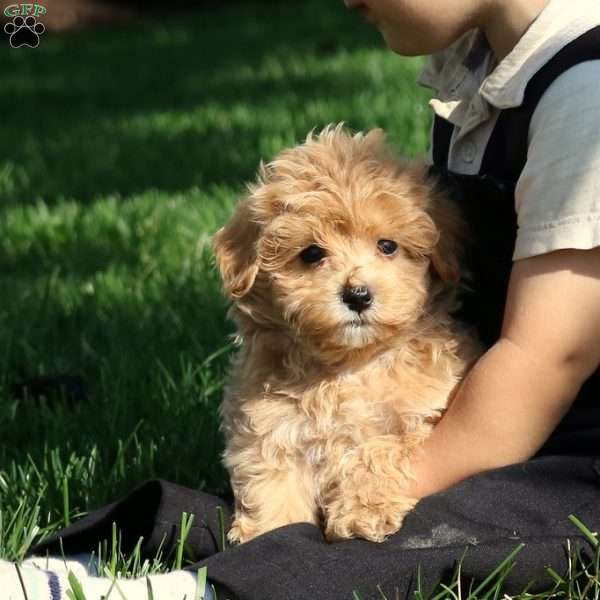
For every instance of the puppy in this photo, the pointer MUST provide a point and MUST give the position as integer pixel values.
(341, 263)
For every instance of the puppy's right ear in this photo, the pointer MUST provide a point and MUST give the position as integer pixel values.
(235, 251)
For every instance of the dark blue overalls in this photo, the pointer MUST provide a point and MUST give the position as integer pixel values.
(489, 514)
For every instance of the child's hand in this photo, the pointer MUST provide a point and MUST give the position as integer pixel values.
(519, 390)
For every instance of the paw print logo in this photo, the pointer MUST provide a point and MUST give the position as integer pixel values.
(24, 32)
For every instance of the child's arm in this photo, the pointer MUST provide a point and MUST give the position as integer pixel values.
(516, 394)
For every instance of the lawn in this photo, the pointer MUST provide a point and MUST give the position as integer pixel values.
(121, 152)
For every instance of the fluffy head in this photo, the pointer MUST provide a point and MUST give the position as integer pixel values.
(338, 244)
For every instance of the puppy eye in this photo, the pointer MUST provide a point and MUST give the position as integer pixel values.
(312, 254)
(387, 246)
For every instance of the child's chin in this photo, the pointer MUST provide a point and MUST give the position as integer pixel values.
(403, 46)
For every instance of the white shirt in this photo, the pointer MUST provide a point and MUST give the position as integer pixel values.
(557, 198)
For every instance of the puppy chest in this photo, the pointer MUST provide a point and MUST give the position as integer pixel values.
(351, 409)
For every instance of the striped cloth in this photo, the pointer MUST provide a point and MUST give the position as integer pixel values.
(48, 579)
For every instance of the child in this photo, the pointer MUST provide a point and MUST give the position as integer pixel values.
(517, 127)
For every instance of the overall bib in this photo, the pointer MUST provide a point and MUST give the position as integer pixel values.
(488, 514)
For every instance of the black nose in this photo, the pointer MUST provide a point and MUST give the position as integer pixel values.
(357, 298)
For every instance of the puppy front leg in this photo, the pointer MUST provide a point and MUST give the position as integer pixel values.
(366, 497)
(270, 495)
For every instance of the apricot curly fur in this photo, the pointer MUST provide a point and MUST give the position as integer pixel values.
(325, 406)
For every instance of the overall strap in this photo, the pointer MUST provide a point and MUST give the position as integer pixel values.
(506, 151)
(440, 143)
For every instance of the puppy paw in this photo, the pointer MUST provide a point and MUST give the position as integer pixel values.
(246, 527)
(242, 531)
(369, 523)
(234, 535)
(368, 498)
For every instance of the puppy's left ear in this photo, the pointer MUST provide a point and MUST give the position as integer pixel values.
(446, 253)
(235, 251)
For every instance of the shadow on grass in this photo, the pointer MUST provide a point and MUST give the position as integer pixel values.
(142, 353)
(168, 104)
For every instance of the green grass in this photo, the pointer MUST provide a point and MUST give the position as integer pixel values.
(121, 152)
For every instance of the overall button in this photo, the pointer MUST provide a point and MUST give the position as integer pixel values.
(468, 152)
